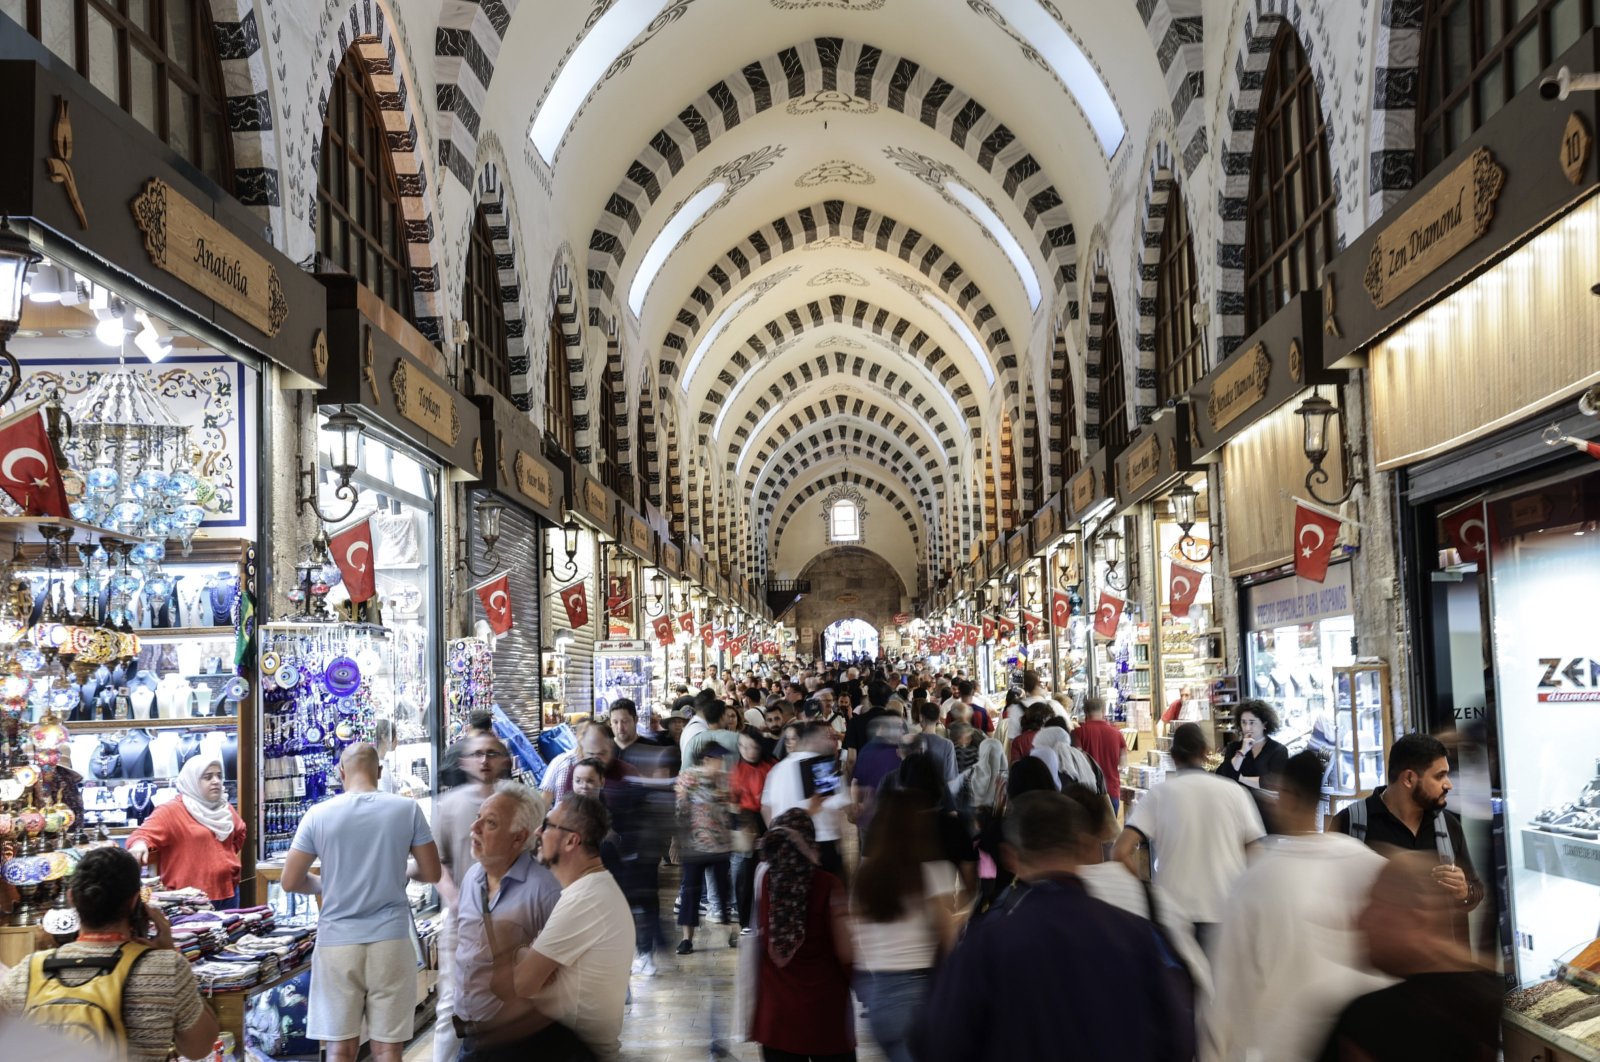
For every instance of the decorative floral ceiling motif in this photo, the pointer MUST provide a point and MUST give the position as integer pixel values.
(829, 277)
(840, 341)
(831, 100)
(835, 243)
(842, 5)
(834, 171)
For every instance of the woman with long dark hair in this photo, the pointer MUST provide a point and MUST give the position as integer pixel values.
(748, 779)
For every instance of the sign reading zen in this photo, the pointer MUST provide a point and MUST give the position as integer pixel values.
(1568, 680)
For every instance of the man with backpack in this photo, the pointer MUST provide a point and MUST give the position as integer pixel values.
(116, 989)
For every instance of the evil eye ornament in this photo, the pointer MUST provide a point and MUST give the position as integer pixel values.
(342, 676)
(26, 776)
(270, 662)
(235, 689)
(287, 676)
(17, 871)
(313, 734)
(345, 731)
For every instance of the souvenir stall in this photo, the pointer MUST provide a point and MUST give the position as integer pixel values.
(1033, 641)
(141, 353)
(1499, 482)
(514, 505)
(672, 667)
(625, 662)
(579, 615)
(1045, 532)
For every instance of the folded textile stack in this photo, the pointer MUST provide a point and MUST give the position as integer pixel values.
(255, 958)
(218, 976)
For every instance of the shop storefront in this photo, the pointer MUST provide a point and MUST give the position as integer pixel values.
(515, 510)
(578, 599)
(1047, 532)
(1501, 514)
(625, 662)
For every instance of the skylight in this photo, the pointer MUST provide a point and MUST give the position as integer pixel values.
(584, 68)
(1052, 41)
(984, 214)
(688, 215)
(714, 333)
(960, 328)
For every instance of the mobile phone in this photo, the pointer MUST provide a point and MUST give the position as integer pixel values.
(820, 774)
(139, 921)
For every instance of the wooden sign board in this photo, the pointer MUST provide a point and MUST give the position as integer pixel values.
(639, 535)
(190, 244)
(1239, 387)
(1083, 491)
(1436, 228)
(595, 502)
(1144, 462)
(1017, 549)
(533, 479)
(425, 403)
(1576, 143)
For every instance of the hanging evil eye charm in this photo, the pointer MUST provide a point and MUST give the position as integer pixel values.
(235, 689)
(342, 677)
(270, 662)
(313, 734)
(287, 676)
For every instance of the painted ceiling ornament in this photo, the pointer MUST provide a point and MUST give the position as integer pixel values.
(831, 101)
(925, 168)
(835, 243)
(829, 277)
(909, 285)
(834, 171)
(841, 5)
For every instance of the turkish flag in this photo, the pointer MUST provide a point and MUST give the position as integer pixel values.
(1030, 624)
(686, 622)
(1468, 531)
(1315, 533)
(708, 635)
(496, 598)
(722, 637)
(663, 628)
(1060, 609)
(352, 552)
(28, 469)
(619, 596)
(737, 645)
(575, 599)
(1182, 586)
(1108, 614)
(969, 634)
(1004, 625)
(988, 629)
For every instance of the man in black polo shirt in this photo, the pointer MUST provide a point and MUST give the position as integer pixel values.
(1410, 814)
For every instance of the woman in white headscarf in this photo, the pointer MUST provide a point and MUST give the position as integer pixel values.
(195, 839)
(1073, 765)
(983, 782)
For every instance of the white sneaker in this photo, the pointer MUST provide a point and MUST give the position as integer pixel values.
(638, 961)
(647, 965)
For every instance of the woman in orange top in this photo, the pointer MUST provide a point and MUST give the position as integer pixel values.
(748, 780)
(196, 838)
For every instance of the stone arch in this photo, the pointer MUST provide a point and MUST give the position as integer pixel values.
(1177, 30)
(1396, 95)
(365, 28)
(1099, 298)
(889, 492)
(466, 47)
(672, 477)
(818, 425)
(565, 312)
(1260, 31)
(248, 84)
(795, 457)
(834, 64)
(494, 197)
(638, 447)
(1159, 183)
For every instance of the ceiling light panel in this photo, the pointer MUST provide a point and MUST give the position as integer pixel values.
(672, 233)
(1031, 24)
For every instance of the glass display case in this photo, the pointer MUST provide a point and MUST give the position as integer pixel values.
(1361, 734)
(621, 669)
(1297, 633)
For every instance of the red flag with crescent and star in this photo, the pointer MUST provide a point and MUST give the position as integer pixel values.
(665, 635)
(1005, 626)
(496, 597)
(722, 637)
(28, 469)
(1032, 623)
(575, 599)
(1060, 609)
(1315, 533)
(686, 622)
(737, 645)
(988, 629)
(1468, 531)
(1107, 615)
(969, 634)
(352, 552)
(1182, 586)
(708, 635)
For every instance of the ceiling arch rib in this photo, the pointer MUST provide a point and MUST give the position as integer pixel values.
(862, 441)
(792, 326)
(832, 64)
(822, 226)
(847, 415)
(804, 467)
(891, 492)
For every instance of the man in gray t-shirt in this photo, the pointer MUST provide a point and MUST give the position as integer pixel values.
(364, 953)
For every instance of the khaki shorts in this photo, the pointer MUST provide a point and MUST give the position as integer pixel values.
(349, 981)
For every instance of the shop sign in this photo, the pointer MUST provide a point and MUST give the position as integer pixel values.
(1293, 601)
(977, 553)
(1569, 680)
(1083, 491)
(595, 502)
(425, 404)
(1046, 525)
(1576, 143)
(671, 558)
(1017, 549)
(1144, 463)
(1240, 386)
(1436, 228)
(533, 480)
(187, 242)
(639, 536)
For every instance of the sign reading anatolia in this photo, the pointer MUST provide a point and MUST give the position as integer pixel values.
(1436, 228)
(1143, 463)
(425, 404)
(185, 241)
(533, 480)
(1239, 386)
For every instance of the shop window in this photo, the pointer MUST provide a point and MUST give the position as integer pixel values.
(1289, 229)
(1180, 352)
(484, 311)
(156, 59)
(360, 228)
(1477, 54)
(608, 451)
(558, 390)
(1113, 383)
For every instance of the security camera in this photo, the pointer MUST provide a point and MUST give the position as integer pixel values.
(1565, 83)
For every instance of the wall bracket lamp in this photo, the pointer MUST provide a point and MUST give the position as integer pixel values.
(569, 545)
(1317, 411)
(344, 429)
(489, 510)
(1183, 498)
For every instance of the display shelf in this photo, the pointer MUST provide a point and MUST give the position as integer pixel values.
(13, 528)
(1361, 729)
(162, 634)
(199, 722)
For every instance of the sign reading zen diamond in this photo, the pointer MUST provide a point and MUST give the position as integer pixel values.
(1444, 222)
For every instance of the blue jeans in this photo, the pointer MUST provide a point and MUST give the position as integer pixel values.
(894, 1002)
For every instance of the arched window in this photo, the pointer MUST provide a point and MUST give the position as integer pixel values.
(845, 512)
(1289, 232)
(1071, 449)
(1113, 383)
(482, 307)
(360, 228)
(609, 449)
(1180, 351)
(1477, 54)
(558, 390)
(156, 59)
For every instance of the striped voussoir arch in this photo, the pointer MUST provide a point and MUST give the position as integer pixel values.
(838, 437)
(863, 70)
(618, 412)
(834, 217)
(1158, 188)
(1247, 76)
(1177, 29)
(877, 380)
(246, 83)
(814, 462)
(564, 300)
(636, 452)
(1392, 153)
(853, 420)
(891, 492)
(673, 474)
(466, 47)
(1094, 337)
(493, 200)
(366, 29)
(1063, 420)
(781, 331)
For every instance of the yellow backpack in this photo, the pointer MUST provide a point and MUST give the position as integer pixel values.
(88, 1013)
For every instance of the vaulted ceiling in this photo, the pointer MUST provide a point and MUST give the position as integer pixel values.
(835, 232)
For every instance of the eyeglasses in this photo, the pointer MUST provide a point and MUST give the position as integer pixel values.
(484, 754)
(548, 825)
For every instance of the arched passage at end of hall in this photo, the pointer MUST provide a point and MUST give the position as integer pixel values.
(849, 639)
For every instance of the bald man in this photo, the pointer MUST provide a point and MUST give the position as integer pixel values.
(363, 962)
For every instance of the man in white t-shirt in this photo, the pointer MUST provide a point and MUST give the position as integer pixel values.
(784, 790)
(576, 970)
(1198, 826)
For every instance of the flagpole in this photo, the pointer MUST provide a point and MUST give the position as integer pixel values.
(474, 588)
(1329, 513)
(23, 412)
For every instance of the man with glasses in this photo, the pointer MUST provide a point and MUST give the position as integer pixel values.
(485, 761)
(576, 971)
